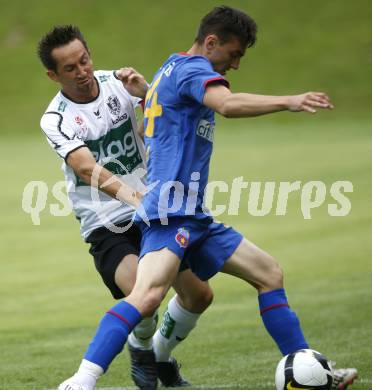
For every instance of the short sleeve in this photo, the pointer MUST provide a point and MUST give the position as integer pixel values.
(60, 137)
(193, 77)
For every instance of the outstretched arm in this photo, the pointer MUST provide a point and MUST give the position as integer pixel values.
(238, 105)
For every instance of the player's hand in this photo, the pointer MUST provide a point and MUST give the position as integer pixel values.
(133, 82)
(309, 102)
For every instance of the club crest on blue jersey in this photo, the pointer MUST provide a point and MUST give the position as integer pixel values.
(182, 237)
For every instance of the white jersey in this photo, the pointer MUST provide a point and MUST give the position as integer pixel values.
(108, 127)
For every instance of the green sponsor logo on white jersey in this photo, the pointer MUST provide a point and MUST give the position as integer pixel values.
(62, 106)
(104, 78)
(118, 144)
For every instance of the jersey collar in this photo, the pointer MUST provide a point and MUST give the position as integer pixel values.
(90, 101)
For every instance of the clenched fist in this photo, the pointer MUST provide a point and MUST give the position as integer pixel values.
(133, 81)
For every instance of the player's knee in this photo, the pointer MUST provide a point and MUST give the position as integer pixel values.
(199, 300)
(274, 276)
(207, 299)
(269, 275)
(203, 299)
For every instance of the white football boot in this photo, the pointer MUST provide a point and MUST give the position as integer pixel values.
(343, 377)
(72, 384)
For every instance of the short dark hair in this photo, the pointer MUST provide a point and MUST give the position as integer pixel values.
(56, 37)
(226, 22)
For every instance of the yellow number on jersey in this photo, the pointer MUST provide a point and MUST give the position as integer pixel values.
(154, 110)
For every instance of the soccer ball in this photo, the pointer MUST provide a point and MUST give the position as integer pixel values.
(304, 369)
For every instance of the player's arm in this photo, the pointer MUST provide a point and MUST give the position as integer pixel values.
(85, 166)
(137, 86)
(237, 105)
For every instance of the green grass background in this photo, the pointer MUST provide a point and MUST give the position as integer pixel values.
(50, 295)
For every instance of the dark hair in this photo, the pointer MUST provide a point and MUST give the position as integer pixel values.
(58, 36)
(226, 22)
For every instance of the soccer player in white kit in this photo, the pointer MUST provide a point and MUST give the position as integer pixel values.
(91, 124)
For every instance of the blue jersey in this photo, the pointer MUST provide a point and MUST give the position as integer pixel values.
(178, 137)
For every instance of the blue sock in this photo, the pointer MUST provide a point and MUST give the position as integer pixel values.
(281, 322)
(112, 333)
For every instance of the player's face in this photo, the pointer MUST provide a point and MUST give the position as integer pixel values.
(74, 69)
(226, 56)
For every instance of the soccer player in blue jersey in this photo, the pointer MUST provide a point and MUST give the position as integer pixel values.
(177, 231)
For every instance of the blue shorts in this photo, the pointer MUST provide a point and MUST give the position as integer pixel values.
(201, 245)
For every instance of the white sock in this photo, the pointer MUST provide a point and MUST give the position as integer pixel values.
(141, 337)
(176, 325)
(88, 374)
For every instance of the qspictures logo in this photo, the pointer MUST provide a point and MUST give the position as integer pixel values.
(240, 197)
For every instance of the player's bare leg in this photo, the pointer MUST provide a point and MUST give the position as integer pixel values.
(125, 275)
(156, 273)
(184, 309)
(258, 268)
(144, 361)
(255, 266)
(193, 294)
(140, 345)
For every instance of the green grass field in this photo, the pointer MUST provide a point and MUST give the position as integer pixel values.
(52, 298)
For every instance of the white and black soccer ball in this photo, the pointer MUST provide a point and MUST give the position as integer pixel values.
(304, 369)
